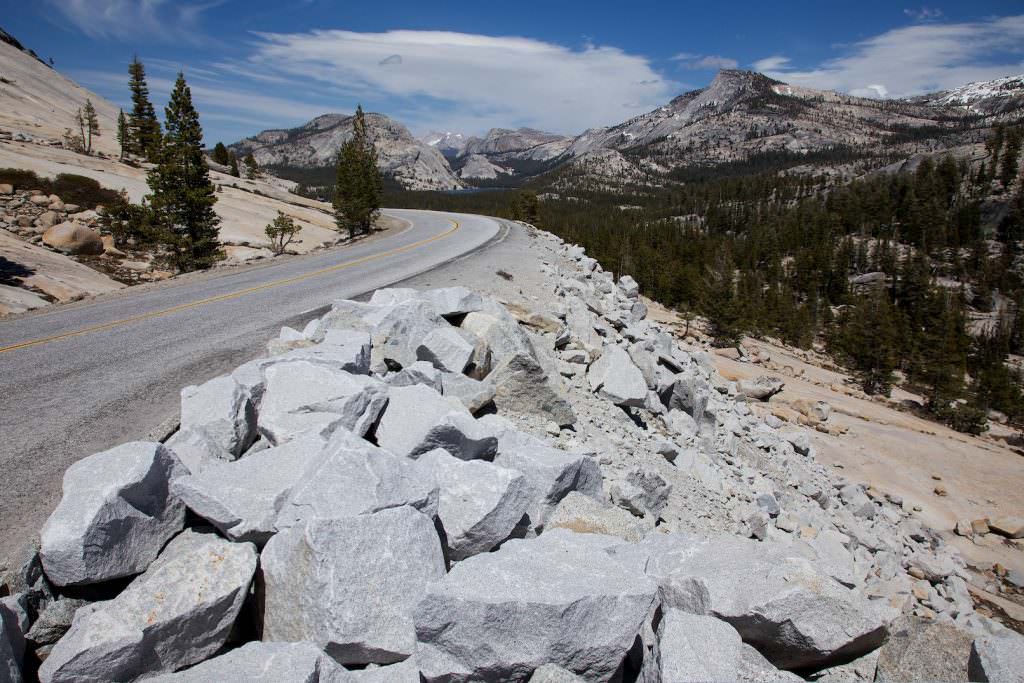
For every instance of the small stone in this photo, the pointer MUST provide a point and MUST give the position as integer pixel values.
(979, 526)
(940, 490)
(1011, 527)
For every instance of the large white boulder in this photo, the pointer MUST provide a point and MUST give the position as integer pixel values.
(629, 287)
(615, 377)
(350, 585)
(115, 515)
(243, 498)
(694, 647)
(997, 657)
(420, 372)
(557, 599)
(522, 386)
(479, 503)
(399, 330)
(402, 672)
(501, 333)
(304, 396)
(180, 612)
(14, 623)
(419, 419)
(587, 515)
(258, 662)
(445, 349)
(222, 411)
(472, 393)
(339, 349)
(351, 477)
(452, 301)
(552, 473)
(791, 611)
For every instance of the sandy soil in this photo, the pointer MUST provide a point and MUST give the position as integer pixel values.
(899, 453)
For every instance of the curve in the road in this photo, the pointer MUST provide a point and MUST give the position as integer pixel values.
(231, 295)
(82, 378)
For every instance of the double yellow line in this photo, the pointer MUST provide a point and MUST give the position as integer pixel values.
(231, 295)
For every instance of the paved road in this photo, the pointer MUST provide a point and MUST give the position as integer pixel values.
(81, 378)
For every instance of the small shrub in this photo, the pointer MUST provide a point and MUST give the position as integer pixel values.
(77, 189)
(72, 189)
(281, 232)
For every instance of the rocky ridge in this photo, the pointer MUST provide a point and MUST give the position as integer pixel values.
(560, 478)
(415, 165)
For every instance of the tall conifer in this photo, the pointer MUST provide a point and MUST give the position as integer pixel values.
(183, 196)
(359, 188)
(144, 129)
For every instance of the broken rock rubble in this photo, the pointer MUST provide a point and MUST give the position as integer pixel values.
(434, 490)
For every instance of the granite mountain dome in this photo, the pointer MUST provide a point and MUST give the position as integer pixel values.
(413, 164)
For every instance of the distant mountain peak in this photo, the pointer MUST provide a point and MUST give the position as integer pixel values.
(314, 145)
(983, 97)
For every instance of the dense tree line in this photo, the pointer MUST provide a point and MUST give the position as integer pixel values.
(766, 253)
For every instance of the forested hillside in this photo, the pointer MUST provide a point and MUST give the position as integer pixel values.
(918, 272)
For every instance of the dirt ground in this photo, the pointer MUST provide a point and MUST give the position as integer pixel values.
(899, 453)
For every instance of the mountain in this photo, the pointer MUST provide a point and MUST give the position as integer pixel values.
(308, 153)
(744, 116)
(478, 167)
(997, 96)
(38, 103)
(449, 144)
(502, 144)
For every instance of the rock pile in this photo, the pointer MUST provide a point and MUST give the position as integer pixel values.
(436, 486)
(45, 219)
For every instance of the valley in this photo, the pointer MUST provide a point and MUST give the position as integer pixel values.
(731, 390)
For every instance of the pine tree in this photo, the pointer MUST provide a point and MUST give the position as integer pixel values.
(143, 127)
(359, 186)
(233, 164)
(182, 196)
(90, 125)
(1008, 168)
(122, 133)
(866, 336)
(220, 154)
(252, 169)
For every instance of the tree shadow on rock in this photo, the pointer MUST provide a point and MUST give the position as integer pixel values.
(11, 271)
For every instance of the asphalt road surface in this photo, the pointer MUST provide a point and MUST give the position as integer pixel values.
(82, 378)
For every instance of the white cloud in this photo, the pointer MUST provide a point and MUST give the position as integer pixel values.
(479, 80)
(924, 13)
(213, 100)
(771, 63)
(711, 62)
(915, 59)
(162, 19)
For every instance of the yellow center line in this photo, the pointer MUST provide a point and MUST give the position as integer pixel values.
(231, 295)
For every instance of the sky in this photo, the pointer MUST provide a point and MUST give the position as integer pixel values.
(467, 67)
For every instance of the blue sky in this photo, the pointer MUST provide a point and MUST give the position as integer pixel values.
(560, 66)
